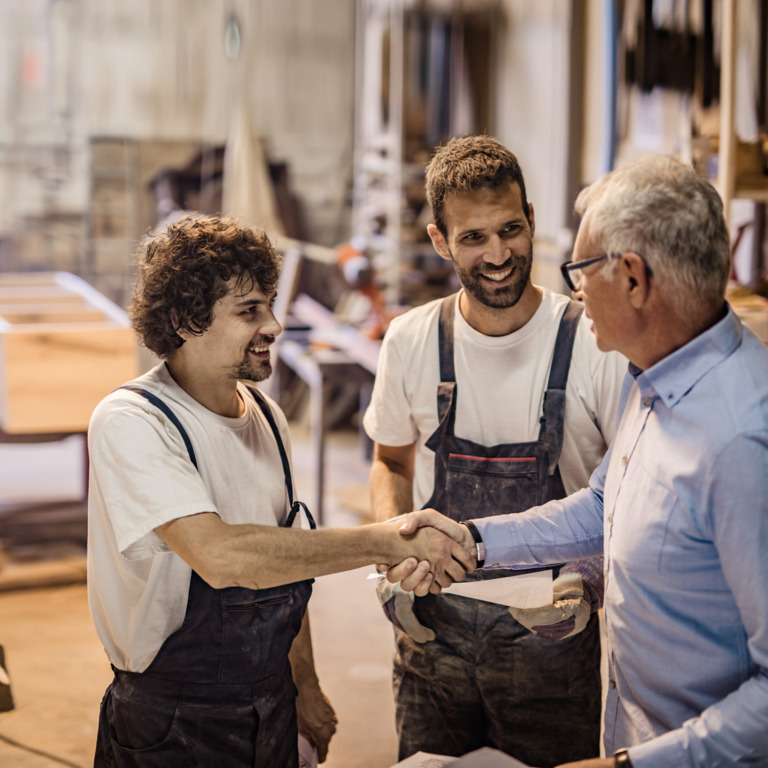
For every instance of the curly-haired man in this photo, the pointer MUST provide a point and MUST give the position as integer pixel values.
(198, 582)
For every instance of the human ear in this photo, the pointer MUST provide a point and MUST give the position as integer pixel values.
(438, 241)
(637, 279)
(182, 333)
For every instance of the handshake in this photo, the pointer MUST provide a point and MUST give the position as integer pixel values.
(440, 551)
(429, 552)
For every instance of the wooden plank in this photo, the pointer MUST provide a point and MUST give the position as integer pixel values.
(52, 380)
(23, 294)
(36, 575)
(63, 347)
(21, 279)
(27, 315)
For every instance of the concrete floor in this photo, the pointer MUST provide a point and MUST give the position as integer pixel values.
(58, 669)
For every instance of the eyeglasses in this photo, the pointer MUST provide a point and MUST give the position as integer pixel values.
(572, 270)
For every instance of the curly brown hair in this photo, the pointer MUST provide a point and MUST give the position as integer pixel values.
(184, 271)
(470, 163)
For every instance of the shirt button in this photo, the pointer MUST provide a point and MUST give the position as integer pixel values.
(610, 518)
(624, 460)
(495, 565)
(646, 401)
(612, 683)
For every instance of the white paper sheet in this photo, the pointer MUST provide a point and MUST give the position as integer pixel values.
(480, 758)
(487, 758)
(425, 760)
(526, 590)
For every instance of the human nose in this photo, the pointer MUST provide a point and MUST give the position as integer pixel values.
(272, 327)
(497, 251)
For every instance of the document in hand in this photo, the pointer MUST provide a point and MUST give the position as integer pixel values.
(526, 590)
(480, 758)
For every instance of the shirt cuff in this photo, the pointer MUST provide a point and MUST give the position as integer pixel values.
(479, 543)
(493, 536)
(664, 751)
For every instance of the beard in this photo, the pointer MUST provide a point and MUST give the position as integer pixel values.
(484, 291)
(259, 371)
(251, 368)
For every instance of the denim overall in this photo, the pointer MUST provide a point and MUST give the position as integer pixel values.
(220, 691)
(486, 680)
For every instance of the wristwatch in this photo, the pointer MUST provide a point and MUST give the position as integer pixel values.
(621, 759)
(479, 543)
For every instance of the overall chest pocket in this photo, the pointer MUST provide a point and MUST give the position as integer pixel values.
(480, 486)
(258, 627)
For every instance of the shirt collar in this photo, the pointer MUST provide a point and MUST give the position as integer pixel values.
(676, 374)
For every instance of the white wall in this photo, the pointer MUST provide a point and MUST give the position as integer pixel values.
(70, 69)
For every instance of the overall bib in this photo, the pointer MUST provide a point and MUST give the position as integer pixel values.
(220, 691)
(486, 680)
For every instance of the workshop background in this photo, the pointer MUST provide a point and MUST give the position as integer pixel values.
(314, 119)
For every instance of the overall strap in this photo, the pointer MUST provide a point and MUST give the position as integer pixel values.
(566, 334)
(445, 338)
(295, 505)
(446, 389)
(158, 403)
(551, 431)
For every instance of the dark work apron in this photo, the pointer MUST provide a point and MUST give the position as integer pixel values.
(473, 480)
(486, 680)
(220, 691)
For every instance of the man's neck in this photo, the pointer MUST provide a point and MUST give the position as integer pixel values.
(492, 321)
(669, 331)
(218, 394)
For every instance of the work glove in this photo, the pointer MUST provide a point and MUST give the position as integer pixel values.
(576, 594)
(398, 606)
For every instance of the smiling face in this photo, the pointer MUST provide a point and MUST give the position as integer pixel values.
(242, 332)
(236, 345)
(490, 242)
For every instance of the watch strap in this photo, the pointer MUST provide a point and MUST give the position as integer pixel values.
(479, 543)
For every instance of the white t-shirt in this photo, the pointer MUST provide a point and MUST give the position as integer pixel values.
(500, 384)
(141, 476)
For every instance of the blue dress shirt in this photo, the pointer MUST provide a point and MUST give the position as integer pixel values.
(679, 506)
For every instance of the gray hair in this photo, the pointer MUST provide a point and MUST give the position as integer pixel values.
(664, 211)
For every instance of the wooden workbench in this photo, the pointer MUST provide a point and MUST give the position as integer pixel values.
(63, 347)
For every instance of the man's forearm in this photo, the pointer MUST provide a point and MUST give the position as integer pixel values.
(258, 557)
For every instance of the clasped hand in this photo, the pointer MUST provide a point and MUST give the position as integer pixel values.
(438, 550)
